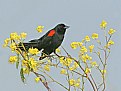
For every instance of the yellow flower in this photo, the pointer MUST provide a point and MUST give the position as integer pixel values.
(37, 79)
(26, 71)
(61, 59)
(77, 85)
(85, 58)
(87, 38)
(72, 82)
(58, 50)
(24, 63)
(63, 71)
(87, 70)
(103, 24)
(33, 51)
(110, 43)
(88, 57)
(33, 64)
(74, 67)
(111, 31)
(6, 41)
(13, 46)
(91, 47)
(23, 35)
(74, 45)
(65, 61)
(12, 59)
(47, 67)
(103, 71)
(83, 49)
(40, 28)
(14, 36)
(93, 63)
(94, 36)
(71, 68)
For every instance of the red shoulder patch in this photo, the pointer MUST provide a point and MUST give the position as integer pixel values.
(51, 33)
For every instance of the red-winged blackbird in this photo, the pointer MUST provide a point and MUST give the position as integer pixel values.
(49, 42)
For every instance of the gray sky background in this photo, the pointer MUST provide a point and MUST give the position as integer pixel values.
(84, 17)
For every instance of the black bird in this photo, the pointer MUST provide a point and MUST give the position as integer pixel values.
(48, 42)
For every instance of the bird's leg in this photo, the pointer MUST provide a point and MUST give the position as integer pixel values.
(56, 54)
(42, 56)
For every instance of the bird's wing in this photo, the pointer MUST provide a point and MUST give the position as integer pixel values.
(34, 40)
(47, 38)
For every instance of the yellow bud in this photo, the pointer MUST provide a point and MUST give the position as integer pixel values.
(47, 67)
(87, 38)
(111, 31)
(37, 79)
(94, 36)
(40, 28)
(103, 24)
(23, 35)
(63, 71)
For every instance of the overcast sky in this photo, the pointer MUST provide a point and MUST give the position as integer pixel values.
(83, 17)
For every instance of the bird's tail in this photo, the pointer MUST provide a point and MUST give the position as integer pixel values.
(26, 46)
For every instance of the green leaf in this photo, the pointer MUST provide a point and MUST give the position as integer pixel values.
(17, 62)
(22, 75)
(78, 62)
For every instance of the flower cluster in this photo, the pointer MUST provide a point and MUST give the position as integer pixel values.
(30, 64)
(33, 51)
(94, 36)
(74, 66)
(66, 61)
(40, 28)
(103, 24)
(74, 45)
(14, 40)
(13, 59)
(86, 57)
(75, 83)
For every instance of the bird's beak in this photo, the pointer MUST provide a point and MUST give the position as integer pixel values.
(66, 27)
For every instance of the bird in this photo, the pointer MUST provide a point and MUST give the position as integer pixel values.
(48, 42)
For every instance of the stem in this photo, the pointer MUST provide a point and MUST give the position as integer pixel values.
(104, 67)
(82, 83)
(44, 83)
(93, 81)
(55, 80)
(86, 74)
